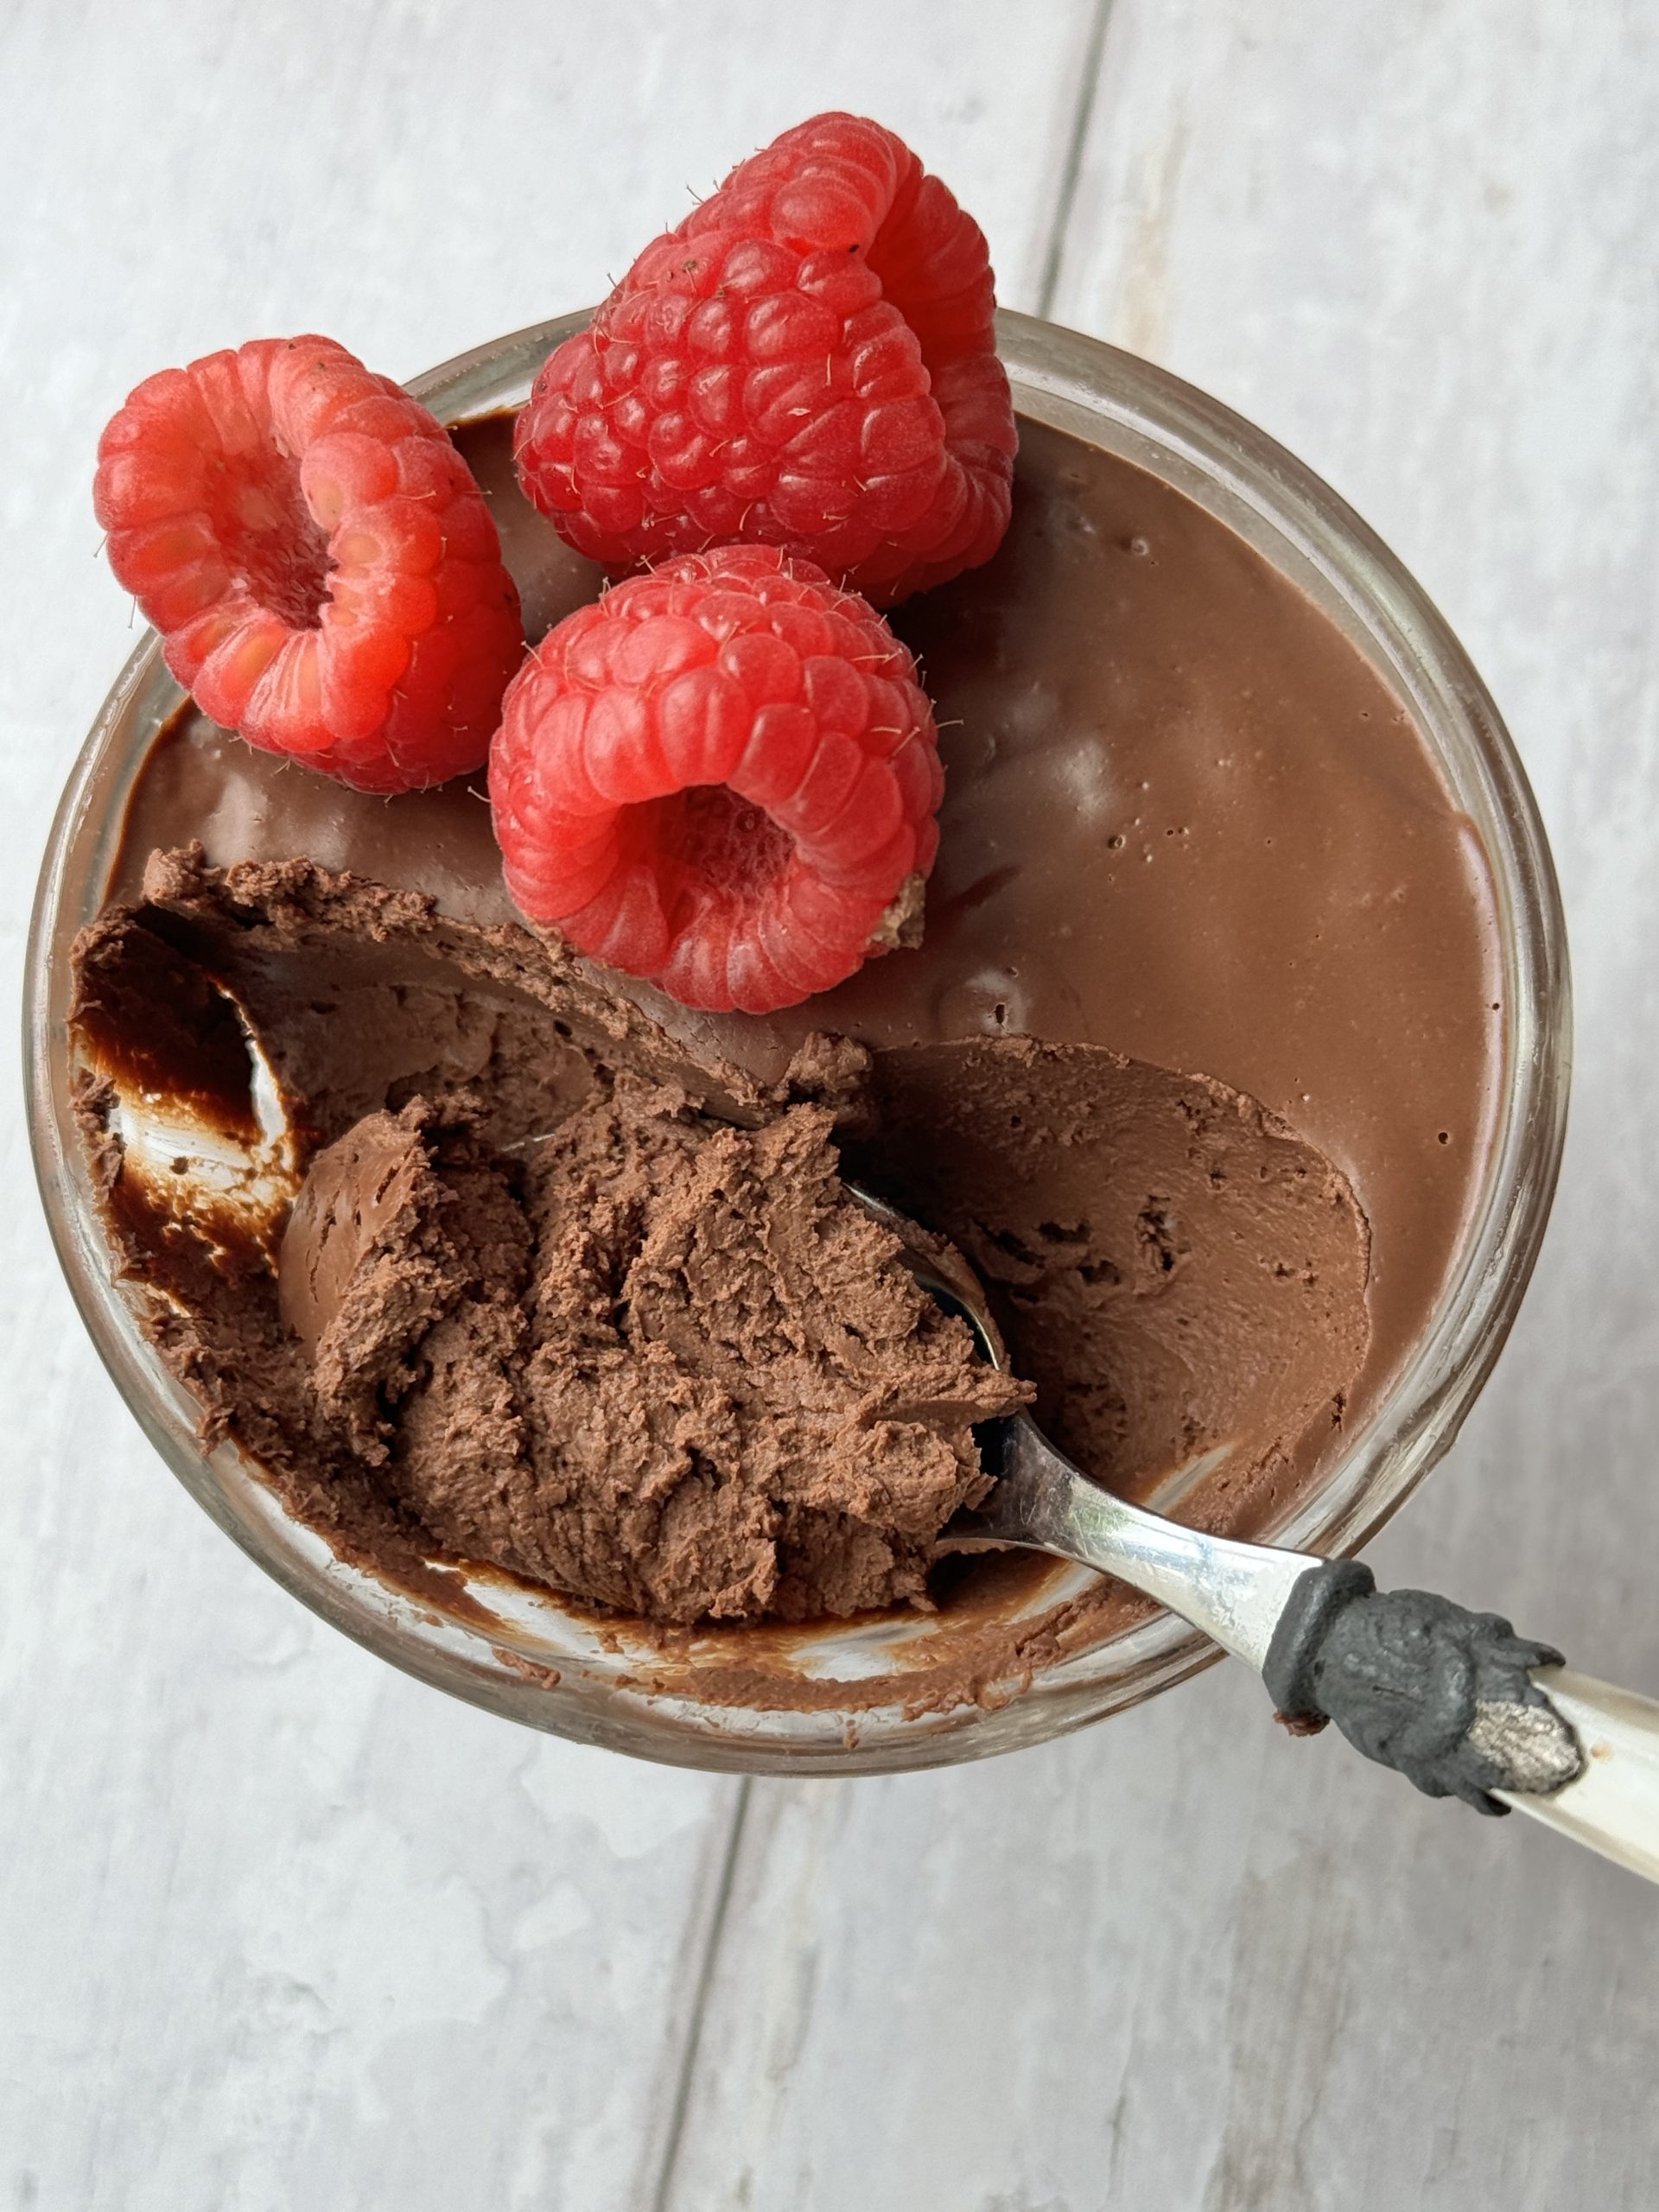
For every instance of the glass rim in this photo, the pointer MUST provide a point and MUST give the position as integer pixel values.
(568, 1682)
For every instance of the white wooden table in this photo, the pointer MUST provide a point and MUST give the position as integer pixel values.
(279, 1928)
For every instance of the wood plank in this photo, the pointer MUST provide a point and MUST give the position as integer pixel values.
(279, 1927)
(1183, 1961)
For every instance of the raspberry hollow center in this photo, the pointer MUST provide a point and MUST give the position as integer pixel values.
(274, 549)
(708, 839)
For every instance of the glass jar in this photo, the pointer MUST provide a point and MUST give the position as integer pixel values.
(528, 1657)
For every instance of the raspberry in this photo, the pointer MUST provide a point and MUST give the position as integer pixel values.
(722, 778)
(809, 361)
(322, 568)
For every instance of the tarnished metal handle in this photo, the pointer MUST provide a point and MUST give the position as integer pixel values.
(1444, 1694)
(1450, 1698)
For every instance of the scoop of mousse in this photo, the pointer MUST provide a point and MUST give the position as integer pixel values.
(657, 1362)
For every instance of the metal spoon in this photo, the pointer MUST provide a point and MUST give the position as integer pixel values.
(1454, 1700)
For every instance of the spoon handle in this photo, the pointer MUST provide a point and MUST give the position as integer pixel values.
(1464, 1707)
(1235, 1593)
(1613, 1805)
(1454, 1700)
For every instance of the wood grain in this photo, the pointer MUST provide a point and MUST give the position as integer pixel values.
(278, 1927)
(1183, 1961)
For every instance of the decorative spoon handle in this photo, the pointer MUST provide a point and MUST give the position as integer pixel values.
(1454, 1700)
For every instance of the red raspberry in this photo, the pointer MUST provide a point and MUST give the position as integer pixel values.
(809, 361)
(722, 777)
(323, 571)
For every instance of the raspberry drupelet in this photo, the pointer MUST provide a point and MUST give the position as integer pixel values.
(809, 360)
(722, 778)
(323, 567)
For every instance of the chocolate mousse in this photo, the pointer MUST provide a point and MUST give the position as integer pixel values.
(655, 1361)
(1198, 1063)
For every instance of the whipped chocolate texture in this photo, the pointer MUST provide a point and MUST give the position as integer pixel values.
(662, 1363)
(1198, 1063)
